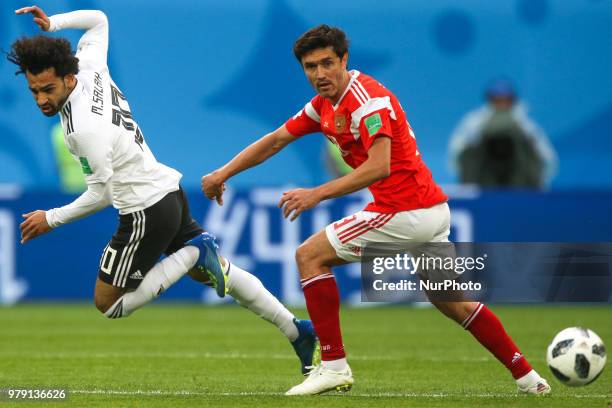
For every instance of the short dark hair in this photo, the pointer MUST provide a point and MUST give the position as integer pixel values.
(322, 36)
(35, 54)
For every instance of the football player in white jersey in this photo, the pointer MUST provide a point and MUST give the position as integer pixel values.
(119, 168)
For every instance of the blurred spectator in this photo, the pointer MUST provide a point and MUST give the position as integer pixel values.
(335, 165)
(498, 145)
(69, 170)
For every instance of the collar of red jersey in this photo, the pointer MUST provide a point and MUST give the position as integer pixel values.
(354, 74)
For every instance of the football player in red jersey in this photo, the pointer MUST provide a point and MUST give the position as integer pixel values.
(369, 126)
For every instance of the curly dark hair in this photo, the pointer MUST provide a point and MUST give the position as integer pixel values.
(322, 36)
(35, 54)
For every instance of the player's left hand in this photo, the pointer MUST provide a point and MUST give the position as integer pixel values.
(35, 224)
(40, 18)
(298, 200)
(213, 187)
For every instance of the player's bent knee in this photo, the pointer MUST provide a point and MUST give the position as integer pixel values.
(105, 295)
(306, 257)
(468, 308)
(102, 304)
(448, 309)
(456, 311)
(302, 255)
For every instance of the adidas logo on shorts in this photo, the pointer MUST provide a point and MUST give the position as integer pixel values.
(136, 275)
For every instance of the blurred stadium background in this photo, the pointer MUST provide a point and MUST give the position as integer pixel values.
(205, 78)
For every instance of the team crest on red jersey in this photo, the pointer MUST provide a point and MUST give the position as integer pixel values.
(340, 122)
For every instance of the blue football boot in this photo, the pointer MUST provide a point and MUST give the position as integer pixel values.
(209, 261)
(306, 346)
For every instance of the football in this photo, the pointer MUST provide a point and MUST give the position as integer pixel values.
(576, 356)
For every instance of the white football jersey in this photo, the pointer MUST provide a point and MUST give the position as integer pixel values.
(99, 129)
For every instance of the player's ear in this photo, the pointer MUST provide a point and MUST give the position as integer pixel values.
(69, 80)
(344, 60)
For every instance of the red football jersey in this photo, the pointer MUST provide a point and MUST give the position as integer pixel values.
(365, 111)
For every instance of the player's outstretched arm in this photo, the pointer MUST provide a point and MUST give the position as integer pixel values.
(213, 184)
(93, 45)
(40, 18)
(96, 197)
(375, 168)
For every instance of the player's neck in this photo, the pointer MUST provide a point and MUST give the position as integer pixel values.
(70, 89)
(346, 78)
(72, 86)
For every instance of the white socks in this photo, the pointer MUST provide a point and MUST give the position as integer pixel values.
(248, 290)
(528, 379)
(241, 285)
(163, 275)
(335, 365)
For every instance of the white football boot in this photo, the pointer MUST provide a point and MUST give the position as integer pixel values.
(322, 379)
(538, 386)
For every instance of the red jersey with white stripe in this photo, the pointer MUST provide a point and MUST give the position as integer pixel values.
(365, 111)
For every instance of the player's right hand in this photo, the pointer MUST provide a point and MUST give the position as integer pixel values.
(40, 18)
(213, 187)
(35, 224)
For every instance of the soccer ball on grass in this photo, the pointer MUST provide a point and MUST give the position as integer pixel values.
(576, 356)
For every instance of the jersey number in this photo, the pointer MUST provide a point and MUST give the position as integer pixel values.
(344, 221)
(108, 258)
(123, 117)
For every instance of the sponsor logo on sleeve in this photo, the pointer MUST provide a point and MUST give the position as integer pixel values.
(85, 165)
(373, 123)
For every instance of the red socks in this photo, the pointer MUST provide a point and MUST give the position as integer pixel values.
(489, 331)
(323, 303)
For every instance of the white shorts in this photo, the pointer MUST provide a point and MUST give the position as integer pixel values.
(349, 235)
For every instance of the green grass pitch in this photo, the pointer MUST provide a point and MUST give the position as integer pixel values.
(193, 355)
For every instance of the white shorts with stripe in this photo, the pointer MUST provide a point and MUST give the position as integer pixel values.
(349, 235)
